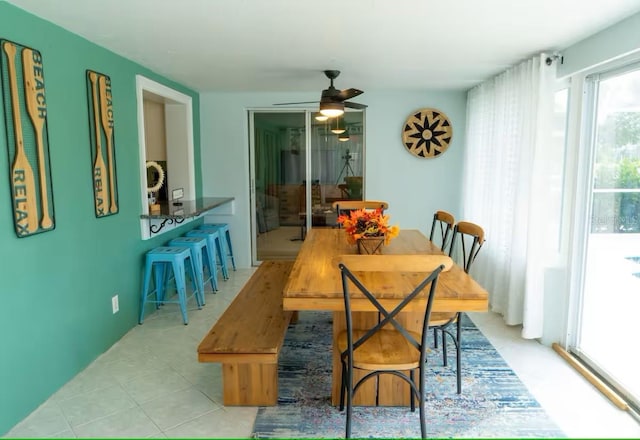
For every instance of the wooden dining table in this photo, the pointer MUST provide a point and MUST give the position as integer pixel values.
(315, 283)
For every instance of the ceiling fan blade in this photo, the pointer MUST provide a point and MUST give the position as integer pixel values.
(349, 93)
(332, 97)
(293, 103)
(354, 105)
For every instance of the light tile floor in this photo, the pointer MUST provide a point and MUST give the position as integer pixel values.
(150, 384)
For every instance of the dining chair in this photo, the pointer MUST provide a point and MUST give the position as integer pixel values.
(443, 223)
(470, 238)
(441, 227)
(387, 347)
(346, 206)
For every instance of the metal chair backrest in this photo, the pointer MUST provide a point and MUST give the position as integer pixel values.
(442, 222)
(343, 207)
(471, 238)
(431, 265)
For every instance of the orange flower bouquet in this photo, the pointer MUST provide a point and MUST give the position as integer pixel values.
(362, 223)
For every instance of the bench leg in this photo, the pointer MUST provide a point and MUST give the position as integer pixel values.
(250, 384)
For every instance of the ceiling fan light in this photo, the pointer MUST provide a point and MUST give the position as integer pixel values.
(343, 137)
(321, 118)
(332, 109)
(339, 127)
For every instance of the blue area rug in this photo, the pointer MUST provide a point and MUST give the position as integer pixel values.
(493, 403)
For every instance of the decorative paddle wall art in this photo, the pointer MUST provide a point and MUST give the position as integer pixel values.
(105, 188)
(25, 110)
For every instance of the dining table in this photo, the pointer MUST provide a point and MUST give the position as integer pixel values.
(315, 283)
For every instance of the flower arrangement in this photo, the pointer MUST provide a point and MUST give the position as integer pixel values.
(362, 223)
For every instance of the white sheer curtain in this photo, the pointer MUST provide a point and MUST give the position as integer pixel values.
(505, 185)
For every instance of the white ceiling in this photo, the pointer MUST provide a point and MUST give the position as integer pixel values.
(283, 45)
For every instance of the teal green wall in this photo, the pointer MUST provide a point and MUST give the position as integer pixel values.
(56, 287)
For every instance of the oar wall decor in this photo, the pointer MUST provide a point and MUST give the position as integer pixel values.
(25, 108)
(103, 168)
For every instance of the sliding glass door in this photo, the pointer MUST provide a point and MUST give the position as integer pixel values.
(299, 166)
(610, 298)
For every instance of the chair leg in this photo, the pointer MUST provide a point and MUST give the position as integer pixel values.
(145, 288)
(223, 258)
(178, 273)
(196, 282)
(199, 271)
(349, 401)
(459, 353)
(343, 378)
(421, 398)
(161, 276)
(208, 255)
(435, 337)
(413, 398)
(444, 348)
(233, 259)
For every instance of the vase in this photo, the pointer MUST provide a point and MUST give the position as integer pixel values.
(370, 245)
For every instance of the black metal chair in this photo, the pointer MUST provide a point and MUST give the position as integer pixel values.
(443, 223)
(470, 240)
(344, 207)
(381, 349)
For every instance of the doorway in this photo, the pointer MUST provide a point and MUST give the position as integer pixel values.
(299, 166)
(610, 295)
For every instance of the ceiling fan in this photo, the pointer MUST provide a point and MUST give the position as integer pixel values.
(333, 101)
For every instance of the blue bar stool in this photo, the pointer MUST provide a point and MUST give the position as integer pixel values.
(201, 259)
(158, 261)
(224, 230)
(214, 241)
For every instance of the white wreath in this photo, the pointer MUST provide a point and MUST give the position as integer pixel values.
(160, 171)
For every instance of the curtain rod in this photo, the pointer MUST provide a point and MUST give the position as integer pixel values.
(550, 59)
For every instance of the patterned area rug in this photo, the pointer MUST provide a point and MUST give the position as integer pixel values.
(493, 403)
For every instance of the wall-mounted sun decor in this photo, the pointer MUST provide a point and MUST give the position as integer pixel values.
(427, 133)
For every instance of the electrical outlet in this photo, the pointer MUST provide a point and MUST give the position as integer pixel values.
(114, 304)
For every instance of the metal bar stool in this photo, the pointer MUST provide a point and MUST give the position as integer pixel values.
(201, 259)
(226, 235)
(214, 241)
(159, 261)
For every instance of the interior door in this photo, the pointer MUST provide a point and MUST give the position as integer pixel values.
(337, 166)
(300, 165)
(278, 162)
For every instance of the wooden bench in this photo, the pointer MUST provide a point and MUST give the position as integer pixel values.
(248, 337)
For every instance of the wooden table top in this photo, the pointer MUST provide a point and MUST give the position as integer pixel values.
(315, 282)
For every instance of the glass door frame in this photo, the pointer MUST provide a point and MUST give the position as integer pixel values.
(583, 209)
(308, 115)
(252, 166)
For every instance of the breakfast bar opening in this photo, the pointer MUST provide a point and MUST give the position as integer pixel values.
(165, 138)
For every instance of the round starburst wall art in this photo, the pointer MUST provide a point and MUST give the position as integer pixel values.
(427, 133)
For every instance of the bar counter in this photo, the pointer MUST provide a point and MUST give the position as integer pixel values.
(188, 209)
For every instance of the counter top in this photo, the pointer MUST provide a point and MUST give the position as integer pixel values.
(188, 209)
